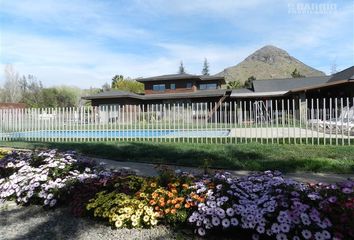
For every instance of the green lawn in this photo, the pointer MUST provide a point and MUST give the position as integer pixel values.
(251, 156)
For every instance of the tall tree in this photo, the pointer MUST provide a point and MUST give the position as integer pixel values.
(296, 74)
(106, 87)
(12, 87)
(205, 70)
(31, 89)
(181, 69)
(127, 84)
(248, 83)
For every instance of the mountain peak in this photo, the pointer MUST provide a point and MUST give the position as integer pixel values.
(268, 62)
(268, 54)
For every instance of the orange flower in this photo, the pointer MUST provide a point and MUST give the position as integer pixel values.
(170, 195)
(181, 199)
(157, 208)
(173, 211)
(177, 205)
(168, 201)
(185, 186)
(187, 205)
(152, 202)
(162, 199)
(174, 201)
(167, 210)
(174, 190)
(162, 204)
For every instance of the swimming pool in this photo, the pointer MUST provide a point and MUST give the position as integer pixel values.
(120, 134)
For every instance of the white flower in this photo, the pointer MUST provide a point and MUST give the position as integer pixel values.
(234, 221)
(50, 196)
(201, 231)
(284, 227)
(260, 229)
(225, 223)
(52, 202)
(326, 234)
(306, 234)
(10, 165)
(275, 228)
(230, 212)
(215, 221)
(281, 236)
(319, 236)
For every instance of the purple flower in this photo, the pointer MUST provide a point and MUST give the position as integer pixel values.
(347, 190)
(306, 234)
(225, 223)
(281, 236)
(201, 231)
(234, 221)
(332, 199)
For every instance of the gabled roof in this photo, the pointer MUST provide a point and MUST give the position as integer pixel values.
(197, 94)
(286, 84)
(346, 74)
(183, 76)
(122, 94)
(113, 94)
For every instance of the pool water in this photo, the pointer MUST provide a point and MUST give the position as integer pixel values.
(120, 134)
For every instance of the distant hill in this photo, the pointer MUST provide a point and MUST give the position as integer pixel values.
(268, 62)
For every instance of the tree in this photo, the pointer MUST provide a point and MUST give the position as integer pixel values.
(31, 91)
(334, 68)
(233, 84)
(249, 82)
(63, 96)
(127, 84)
(205, 70)
(12, 88)
(181, 69)
(106, 87)
(296, 74)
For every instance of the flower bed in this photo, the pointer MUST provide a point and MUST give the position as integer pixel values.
(259, 206)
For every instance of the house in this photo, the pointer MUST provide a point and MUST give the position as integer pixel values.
(187, 88)
(174, 88)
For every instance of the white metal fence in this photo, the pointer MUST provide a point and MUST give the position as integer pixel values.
(309, 121)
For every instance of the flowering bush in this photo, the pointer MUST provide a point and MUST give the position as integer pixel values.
(338, 204)
(266, 204)
(43, 177)
(83, 191)
(122, 210)
(170, 203)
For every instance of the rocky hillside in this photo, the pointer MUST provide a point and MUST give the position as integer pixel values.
(265, 63)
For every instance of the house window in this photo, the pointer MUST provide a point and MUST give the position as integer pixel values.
(189, 85)
(172, 86)
(159, 87)
(207, 86)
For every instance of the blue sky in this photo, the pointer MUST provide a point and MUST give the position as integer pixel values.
(85, 43)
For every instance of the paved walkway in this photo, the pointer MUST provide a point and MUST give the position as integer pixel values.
(146, 169)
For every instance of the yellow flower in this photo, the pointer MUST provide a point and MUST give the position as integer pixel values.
(146, 218)
(118, 223)
(134, 223)
(153, 222)
(141, 205)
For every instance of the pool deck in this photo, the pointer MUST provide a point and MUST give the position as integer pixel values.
(147, 169)
(292, 132)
